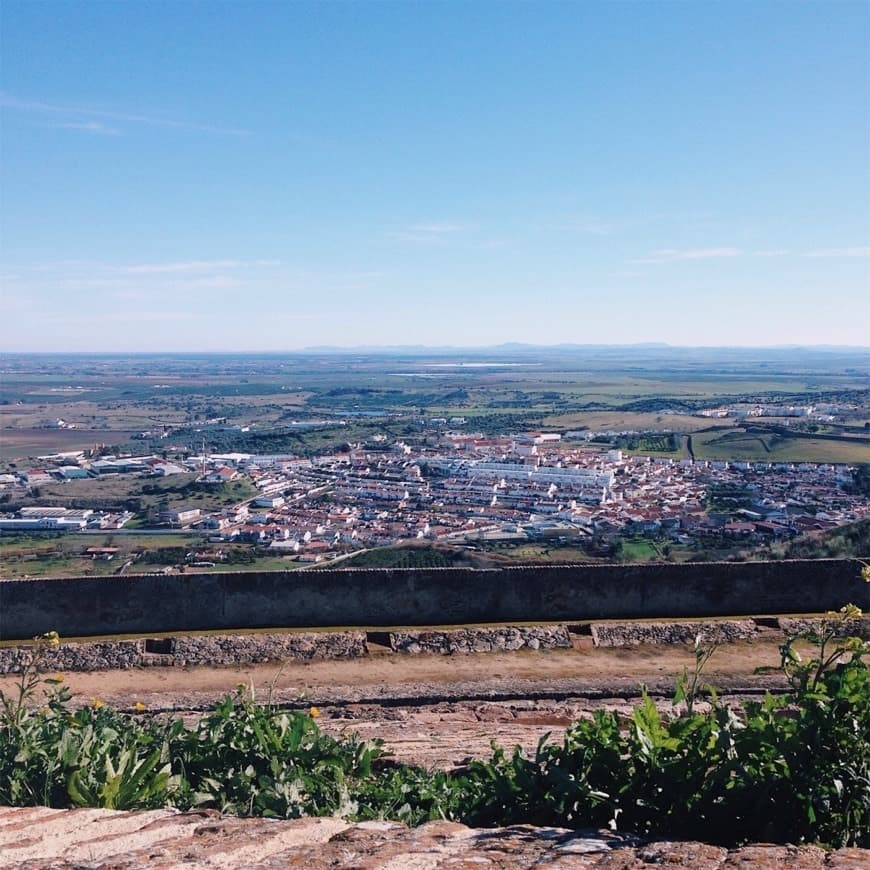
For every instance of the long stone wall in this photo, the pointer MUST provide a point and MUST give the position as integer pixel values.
(180, 651)
(243, 649)
(149, 603)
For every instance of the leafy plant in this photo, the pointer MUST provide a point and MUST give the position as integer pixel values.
(788, 769)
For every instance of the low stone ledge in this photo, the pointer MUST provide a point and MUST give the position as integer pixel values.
(234, 649)
(219, 649)
(858, 627)
(92, 656)
(475, 640)
(617, 634)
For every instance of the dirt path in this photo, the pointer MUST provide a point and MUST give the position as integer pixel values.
(439, 710)
(384, 675)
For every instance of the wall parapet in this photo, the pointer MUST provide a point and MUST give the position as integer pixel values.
(230, 601)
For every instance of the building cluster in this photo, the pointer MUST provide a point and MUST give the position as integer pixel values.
(466, 487)
(60, 519)
(827, 413)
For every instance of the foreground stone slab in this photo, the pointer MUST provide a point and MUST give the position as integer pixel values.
(36, 838)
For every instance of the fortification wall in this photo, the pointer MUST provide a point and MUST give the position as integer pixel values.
(149, 603)
(243, 649)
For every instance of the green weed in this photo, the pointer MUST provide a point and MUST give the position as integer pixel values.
(790, 769)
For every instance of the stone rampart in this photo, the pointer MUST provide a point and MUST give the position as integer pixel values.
(235, 649)
(243, 649)
(107, 655)
(635, 633)
(475, 640)
(859, 627)
(149, 603)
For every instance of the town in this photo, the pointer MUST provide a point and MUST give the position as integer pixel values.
(456, 488)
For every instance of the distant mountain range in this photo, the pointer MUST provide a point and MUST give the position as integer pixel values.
(520, 347)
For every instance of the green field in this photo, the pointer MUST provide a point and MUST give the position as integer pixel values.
(738, 443)
(640, 550)
(496, 390)
(144, 494)
(64, 556)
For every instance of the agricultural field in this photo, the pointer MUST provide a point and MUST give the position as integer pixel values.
(758, 445)
(511, 388)
(67, 556)
(603, 421)
(144, 495)
(643, 401)
(22, 444)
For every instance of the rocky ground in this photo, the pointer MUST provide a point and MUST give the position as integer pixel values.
(39, 839)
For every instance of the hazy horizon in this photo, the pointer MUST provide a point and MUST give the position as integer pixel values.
(507, 347)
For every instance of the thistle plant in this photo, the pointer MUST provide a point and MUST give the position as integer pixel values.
(832, 643)
(689, 686)
(13, 707)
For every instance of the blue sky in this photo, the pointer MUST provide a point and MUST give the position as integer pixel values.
(270, 176)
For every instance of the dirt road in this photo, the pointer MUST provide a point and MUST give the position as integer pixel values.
(438, 710)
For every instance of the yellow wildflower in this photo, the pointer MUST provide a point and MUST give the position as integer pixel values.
(314, 712)
(849, 611)
(97, 703)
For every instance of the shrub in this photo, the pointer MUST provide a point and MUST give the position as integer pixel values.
(789, 769)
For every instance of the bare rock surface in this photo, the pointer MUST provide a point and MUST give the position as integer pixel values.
(39, 839)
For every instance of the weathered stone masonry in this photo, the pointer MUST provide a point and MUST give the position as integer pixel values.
(242, 649)
(148, 603)
(473, 640)
(237, 649)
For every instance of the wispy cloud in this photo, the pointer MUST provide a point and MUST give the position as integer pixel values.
(151, 316)
(437, 231)
(138, 283)
(772, 252)
(442, 228)
(178, 268)
(677, 255)
(588, 227)
(85, 117)
(96, 128)
(131, 316)
(191, 266)
(859, 251)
